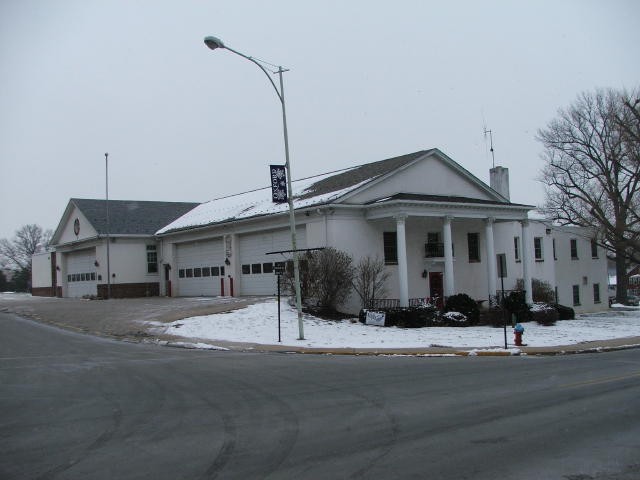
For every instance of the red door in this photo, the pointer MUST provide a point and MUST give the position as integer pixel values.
(435, 288)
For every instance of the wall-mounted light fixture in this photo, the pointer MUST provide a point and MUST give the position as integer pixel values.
(424, 274)
(227, 262)
(96, 263)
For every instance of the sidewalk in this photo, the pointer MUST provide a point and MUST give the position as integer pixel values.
(157, 320)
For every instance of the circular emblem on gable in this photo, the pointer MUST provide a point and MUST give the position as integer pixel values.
(76, 226)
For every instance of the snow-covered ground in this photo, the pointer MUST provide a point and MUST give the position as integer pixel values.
(258, 323)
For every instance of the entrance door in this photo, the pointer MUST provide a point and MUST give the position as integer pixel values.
(436, 288)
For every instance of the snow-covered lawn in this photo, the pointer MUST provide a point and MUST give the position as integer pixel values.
(258, 323)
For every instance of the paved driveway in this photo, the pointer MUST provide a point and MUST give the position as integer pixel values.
(118, 318)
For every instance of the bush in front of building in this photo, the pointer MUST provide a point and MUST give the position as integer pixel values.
(544, 313)
(463, 303)
(515, 304)
(564, 313)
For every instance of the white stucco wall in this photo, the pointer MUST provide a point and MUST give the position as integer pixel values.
(41, 270)
(584, 271)
(128, 260)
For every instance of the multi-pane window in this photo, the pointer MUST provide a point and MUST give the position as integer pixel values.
(516, 248)
(576, 295)
(473, 242)
(390, 248)
(594, 248)
(267, 267)
(596, 293)
(553, 244)
(574, 249)
(152, 259)
(256, 268)
(246, 269)
(537, 248)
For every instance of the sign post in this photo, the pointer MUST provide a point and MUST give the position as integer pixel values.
(279, 270)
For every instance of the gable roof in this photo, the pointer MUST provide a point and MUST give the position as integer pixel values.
(312, 191)
(126, 217)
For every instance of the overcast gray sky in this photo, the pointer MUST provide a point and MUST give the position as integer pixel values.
(368, 80)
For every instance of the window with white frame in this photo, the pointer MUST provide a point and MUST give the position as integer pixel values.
(574, 249)
(152, 259)
(576, 295)
(516, 248)
(596, 293)
(473, 242)
(537, 249)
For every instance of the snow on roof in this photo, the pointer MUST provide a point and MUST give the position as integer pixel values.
(255, 203)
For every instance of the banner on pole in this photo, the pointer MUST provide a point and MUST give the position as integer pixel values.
(278, 183)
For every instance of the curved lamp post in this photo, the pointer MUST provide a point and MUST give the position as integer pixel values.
(214, 43)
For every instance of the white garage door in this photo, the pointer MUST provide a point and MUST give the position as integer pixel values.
(200, 268)
(256, 274)
(81, 273)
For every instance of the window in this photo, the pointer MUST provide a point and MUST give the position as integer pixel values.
(473, 241)
(69, 278)
(181, 273)
(222, 271)
(93, 275)
(501, 258)
(189, 272)
(256, 268)
(574, 249)
(537, 249)
(390, 248)
(246, 269)
(596, 293)
(594, 249)
(553, 244)
(576, 295)
(215, 271)
(267, 268)
(206, 271)
(152, 259)
(516, 248)
(197, 272)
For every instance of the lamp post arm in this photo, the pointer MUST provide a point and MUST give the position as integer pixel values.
(253, 60)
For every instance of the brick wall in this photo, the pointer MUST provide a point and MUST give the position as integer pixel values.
(130, 290)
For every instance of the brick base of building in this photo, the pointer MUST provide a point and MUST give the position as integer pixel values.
(130, 290)
(43, 292)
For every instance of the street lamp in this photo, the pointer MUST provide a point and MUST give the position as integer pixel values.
(213, 43)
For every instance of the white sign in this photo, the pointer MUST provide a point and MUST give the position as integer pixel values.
(375, 318)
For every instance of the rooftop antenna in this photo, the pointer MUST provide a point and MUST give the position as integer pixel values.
(493, 158)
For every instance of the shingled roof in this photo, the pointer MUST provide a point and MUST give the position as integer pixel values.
(131, 217)
(353, 176)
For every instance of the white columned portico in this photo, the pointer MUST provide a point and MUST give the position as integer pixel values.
(492, 271)
(449, 288)
(526, 263)
(403, 278)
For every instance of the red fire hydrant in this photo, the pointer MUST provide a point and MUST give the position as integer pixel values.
(518, 332)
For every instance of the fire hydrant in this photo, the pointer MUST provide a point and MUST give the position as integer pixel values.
(518, 332)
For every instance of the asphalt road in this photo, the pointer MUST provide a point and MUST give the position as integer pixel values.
(73, 406)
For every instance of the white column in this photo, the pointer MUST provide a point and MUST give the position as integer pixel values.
(492, 271)
(402, 260)
(449, 288)
(526, 262)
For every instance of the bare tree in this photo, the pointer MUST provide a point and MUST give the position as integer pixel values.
(592, 172)
(369, 280)
(28, 240)
(325, 277)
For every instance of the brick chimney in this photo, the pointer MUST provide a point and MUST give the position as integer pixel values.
(499, 180)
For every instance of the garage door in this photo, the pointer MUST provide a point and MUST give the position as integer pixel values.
(200, 268)
(256, 274)
(81, 274)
